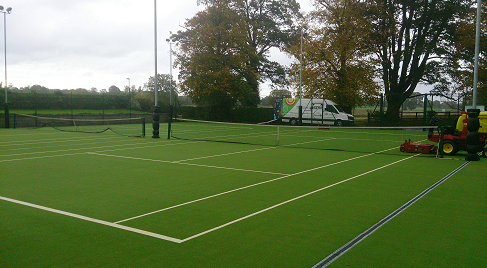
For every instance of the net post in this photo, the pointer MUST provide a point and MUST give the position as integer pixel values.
(440, 143)
(15, 120)
(381, 109)
(155, 122)
(169, 120)
(473, 125)
(143, 126)
(300, 115)
(425, 108)
(7, 116)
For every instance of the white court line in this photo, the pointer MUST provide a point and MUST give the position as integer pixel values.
(39, 157)
(218, 155)
(175, 240)
(92, 148)
(22, 142)
(291, 200)
(248, 186)
(114, 225)
(188, 164)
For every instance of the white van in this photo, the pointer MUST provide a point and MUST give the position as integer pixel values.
(315, 111)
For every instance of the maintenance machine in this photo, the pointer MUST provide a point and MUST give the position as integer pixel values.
(455, 138)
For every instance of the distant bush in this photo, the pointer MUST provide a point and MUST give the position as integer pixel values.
(238, 114)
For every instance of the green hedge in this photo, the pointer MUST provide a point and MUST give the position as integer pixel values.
(63, 101)
(237, 114)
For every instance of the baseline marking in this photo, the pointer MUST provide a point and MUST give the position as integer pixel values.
(175, 240)
(114, 225)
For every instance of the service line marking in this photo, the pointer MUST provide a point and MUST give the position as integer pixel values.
(114, 225)
(248, 186)
(176, 240)
(181, 163)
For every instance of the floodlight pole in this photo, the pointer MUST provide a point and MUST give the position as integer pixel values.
(5, 12)
(155, 115)
(170, 91)
(477, 51)
(300, 111)
(170, 74)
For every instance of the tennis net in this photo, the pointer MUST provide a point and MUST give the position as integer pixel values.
(353, 139)
(131, 127)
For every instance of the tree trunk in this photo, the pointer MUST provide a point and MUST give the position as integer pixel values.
(394, 103)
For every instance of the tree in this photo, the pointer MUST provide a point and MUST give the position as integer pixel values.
(411, 38)
(456, 77)
(415, 100)
(215, 58)
(114, 90)
(230, 41)
(335, 62)
(274, 95)
(166, 87)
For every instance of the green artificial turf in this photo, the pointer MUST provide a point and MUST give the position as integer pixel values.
(239, 205)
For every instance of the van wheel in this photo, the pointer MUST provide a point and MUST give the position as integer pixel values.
(450, 147)
(339, 123)
(293, 122)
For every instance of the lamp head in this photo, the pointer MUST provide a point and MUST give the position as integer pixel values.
(1, 8)
(9, 9)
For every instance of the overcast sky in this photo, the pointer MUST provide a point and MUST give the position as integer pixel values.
(68, 44)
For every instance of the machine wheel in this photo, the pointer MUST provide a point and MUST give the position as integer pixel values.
(293, 122)
(450, 147)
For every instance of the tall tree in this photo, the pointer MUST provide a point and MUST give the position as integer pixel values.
(336, 64)
(411, 37)
(166, 87)
(214, 58)
(247, 30)
(456, 76)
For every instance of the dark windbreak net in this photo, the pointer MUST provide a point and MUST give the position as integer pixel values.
(353, 139)
(132, 127)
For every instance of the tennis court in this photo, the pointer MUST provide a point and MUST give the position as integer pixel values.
(103, 200)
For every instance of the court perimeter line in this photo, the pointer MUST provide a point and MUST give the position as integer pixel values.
(175, 240)
(118, 226)
(248, 186)
(342, 250)
(293, 199)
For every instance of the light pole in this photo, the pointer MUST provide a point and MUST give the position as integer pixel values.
(170, 74)
(130, 101)
(300, 111)
(170, 90)
(155, 114)
(5, 12)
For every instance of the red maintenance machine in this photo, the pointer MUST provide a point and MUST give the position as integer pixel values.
(419, 148)
(455, 137)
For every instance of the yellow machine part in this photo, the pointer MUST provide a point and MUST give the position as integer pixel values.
(483, 122)
(460, 122)
(482, 119)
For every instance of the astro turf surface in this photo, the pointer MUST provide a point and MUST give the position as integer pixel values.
(102, 200)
